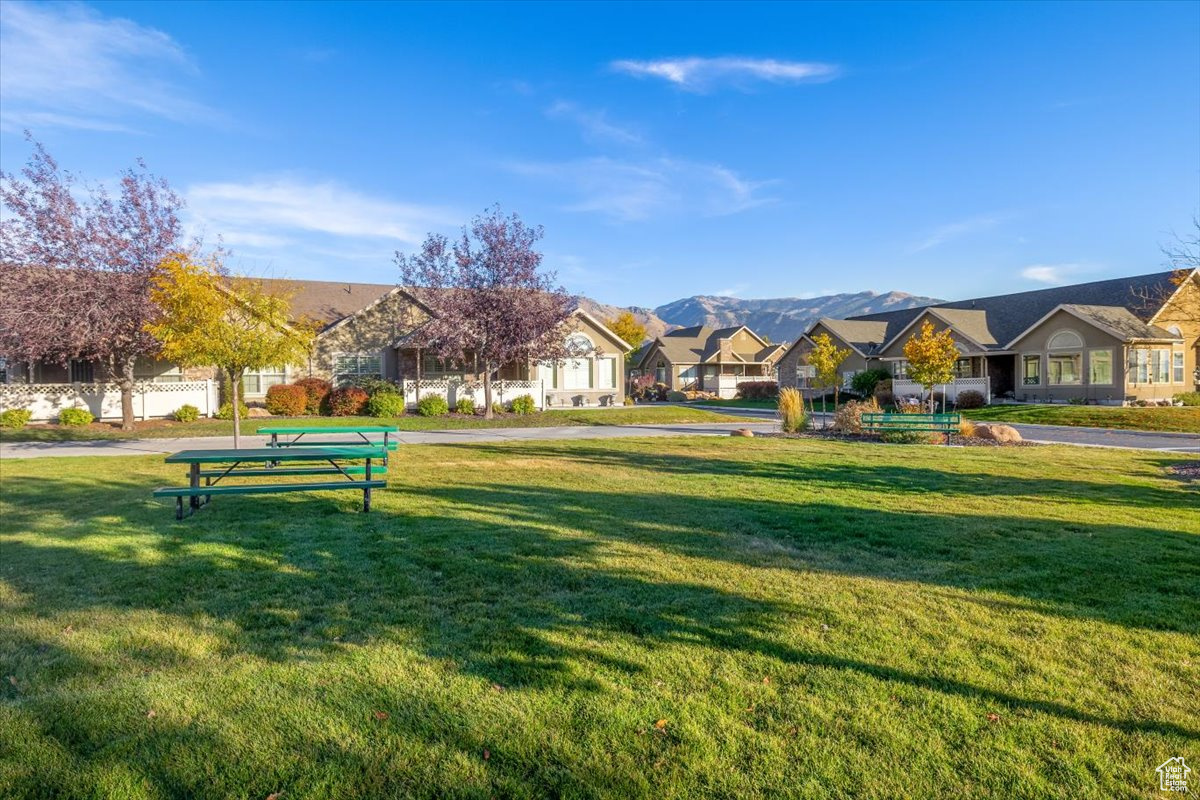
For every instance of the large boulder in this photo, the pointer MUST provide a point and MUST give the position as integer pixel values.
(1004, 434)
(742, 432)
(256, 411)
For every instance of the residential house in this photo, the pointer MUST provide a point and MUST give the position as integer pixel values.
(373, 331)
(708, 360)
(1106, 342)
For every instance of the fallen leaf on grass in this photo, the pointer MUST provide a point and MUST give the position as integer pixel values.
(767, 679)
(661, 724)
(151, 714)
(497, 687)
(275, 796)
(380, 715)
(486, 754)
(69, 629)
(993, 717)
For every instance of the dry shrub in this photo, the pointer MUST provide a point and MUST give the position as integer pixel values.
(791, 410)
(970, 399)
(966, 428)
(848, 418)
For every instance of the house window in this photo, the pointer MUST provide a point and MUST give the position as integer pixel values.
(660, 373)
(157, 371)
(1100, 367)
(962, 368)
(900, 369)
(848, 377)
(1064, 340)
(354, 367)
(258, 382)
(82, 371)
(1031, 370)
(548, 375)
(577, 373)
(1160, 362)
(606, 372)
(804, 375)
(579, 344)
(3, 370)
(689, 373)
(1176, 367)
(1139, 366)
(432, 365)
(1064, 369)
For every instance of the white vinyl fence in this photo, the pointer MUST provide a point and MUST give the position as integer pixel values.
(150, 400)
(902, 388)
(453, 390)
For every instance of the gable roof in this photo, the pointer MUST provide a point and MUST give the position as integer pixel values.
(1002, 319)
(699, 343)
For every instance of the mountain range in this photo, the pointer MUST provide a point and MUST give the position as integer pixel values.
(780, 319)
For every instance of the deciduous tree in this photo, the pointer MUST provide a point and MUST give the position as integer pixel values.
(210, 319)
(628, 328)
(489, 299)
(931, 356)
(826, 360)
(77, 266)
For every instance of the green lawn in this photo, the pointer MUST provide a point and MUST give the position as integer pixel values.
(1182, 420)
(772, 404)
(161, 429)
(668, 618)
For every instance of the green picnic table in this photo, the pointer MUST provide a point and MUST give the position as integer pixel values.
(297, 434)
(263, 462)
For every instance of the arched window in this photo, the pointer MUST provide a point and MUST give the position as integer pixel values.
(1174, 330)
(1065, 340)
(578, 344)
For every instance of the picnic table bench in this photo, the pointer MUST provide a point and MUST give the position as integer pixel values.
(297, 434)
(259, 462)
(945, 424)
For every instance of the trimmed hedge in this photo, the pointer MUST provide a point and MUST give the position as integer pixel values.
(970, 399)
(465, 405)
(523, 404)
(226, 411)
(433, 405)
(386, 404)
(15, 418)
(186, 413)
(758, 390)
(316, 390)
(349, 401)
(287, 400)
(75, 417)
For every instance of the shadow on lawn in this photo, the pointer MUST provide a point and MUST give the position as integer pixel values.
(308, 579)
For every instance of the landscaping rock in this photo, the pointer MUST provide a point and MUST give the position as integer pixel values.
(255, 411)
(1004, 434)
(742, 432)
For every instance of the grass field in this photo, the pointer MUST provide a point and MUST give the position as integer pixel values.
(669, 618)
(1182, 420)
(160, 429)
(772, 404)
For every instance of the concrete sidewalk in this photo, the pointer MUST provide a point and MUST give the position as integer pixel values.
(134, 447)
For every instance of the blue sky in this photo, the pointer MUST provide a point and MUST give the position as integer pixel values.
(669, 150)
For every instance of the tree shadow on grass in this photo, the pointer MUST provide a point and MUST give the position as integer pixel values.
(512, 601)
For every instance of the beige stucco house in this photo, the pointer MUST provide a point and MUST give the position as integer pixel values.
(708, 359)
(1106, 342)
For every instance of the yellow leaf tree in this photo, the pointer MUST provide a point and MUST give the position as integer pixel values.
(931, 356)
(628, 328)
(209, 319)
(826, 360)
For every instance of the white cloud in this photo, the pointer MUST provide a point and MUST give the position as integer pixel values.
(640, 190)
(698, 74)
(955, 230)
(595, 124)
(68, 66)
(1051, 274)
(283, 213)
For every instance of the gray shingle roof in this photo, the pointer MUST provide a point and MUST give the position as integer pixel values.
(1002, 318)
(696, 344)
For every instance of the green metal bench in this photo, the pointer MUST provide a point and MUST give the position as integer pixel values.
(257, 461)
(944, 424)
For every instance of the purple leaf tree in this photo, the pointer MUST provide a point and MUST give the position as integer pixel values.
(490, 303)
(76, 265)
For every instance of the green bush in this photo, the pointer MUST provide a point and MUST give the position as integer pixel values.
(186, 413)
(465, 405)
(629, 401)
(316, 390)
(523, 404)
(226, 411)
(866, 381)
(15, 418)
(348, 401)
(758, 390)
(1188, 398)
(75, 417)
(911, 437)
(287, 400)
(433, 405)
(970, 399)
(498, 408)
(386, 404)
(374, 386)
